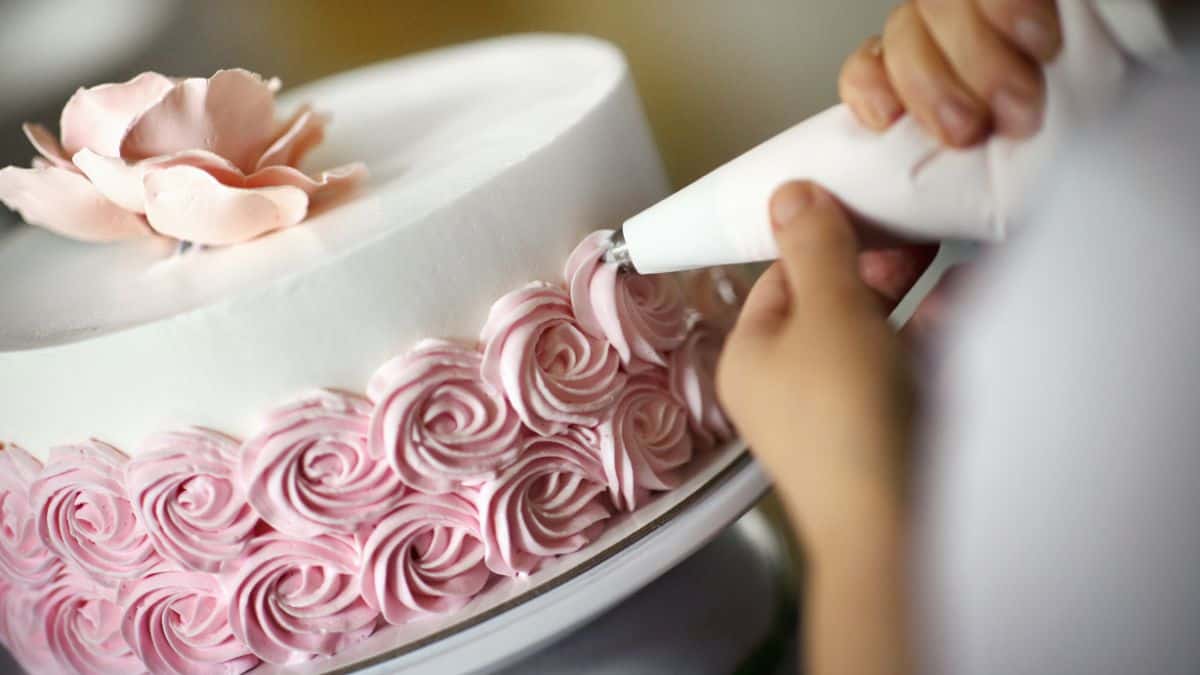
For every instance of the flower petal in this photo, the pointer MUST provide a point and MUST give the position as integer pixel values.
(329, 184)
(189, 204)
(302, 133)
(47, 145)
(121, 181)
(231, 114)
(65, 202)
(98, 118)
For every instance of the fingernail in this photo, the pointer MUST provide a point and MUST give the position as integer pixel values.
(956, 120)
(791, 200)
(884, 106)
(1035, 36)
(1015, 116)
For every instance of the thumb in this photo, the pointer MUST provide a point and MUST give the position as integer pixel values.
(818, 249)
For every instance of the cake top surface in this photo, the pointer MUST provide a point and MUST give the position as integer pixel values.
(430, 128)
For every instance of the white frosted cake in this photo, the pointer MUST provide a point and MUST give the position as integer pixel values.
(251, 414)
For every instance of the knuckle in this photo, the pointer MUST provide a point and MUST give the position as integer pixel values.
(898, 19)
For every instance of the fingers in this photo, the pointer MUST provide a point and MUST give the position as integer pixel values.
(994, 69)
(864, 86)
(931, 90)
(1033, 25)
(767, 305)
(892, 272)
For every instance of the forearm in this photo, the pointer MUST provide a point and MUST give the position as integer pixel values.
(855, 594)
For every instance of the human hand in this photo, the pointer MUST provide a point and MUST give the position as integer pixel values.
(814, 377)
(962, 68)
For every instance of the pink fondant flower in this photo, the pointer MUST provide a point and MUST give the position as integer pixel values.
(186, 494)
(82, 624)
(553, 373)
(295, 599)
(24, 559)
(178, 622)
(424, 558)
(644, 317)
(21, 633)
(308, 471)
(644, 441)
(437, 421)
(551, 502)
(201, 160)
(693, 367)
(85, 516)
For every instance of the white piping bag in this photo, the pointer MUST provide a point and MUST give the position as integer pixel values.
(902, 181)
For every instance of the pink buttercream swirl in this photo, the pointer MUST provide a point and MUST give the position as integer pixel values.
(24, 559)
(21, 633)
(295, 599)
(643, 317)
(553, 372)
(551, 502)
(197, 159)
(644, 441)
(308, 470)
(424, 558)
(178, 622)
(85, 516)
(437, 421)
(691, 375)
(185, 490)
(82, 624)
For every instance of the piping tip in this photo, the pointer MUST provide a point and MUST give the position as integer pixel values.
(618, 251)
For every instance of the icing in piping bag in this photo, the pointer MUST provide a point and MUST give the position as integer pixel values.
(902, 180)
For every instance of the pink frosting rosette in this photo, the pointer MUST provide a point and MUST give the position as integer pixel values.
(553, 372)
(693, 367)
(295, 599)
(308, 470)
(644, 317)
(24, 559)
(186, 494)
(425, 558)
(437, 421)
(643, 441)
(178, 622)
(86, 517)
(82, 624)
(197, 159)
(551, 502)
(21, 634)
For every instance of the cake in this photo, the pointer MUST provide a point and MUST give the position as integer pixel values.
(276, 411)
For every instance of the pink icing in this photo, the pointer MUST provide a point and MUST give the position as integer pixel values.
(308, 471)
(198, 159)
(82, 625)
(19, 618)
(186, 495)
(691, 378)
(295, 599)
(643, 317)
(178, 622)
(24, 559)
(551, 502)
(553, 373)
(424, 558)
(643, 441)
(85, 517)
(437, 421)
(202, 555)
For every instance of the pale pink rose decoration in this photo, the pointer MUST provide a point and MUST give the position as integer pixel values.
(200, 160)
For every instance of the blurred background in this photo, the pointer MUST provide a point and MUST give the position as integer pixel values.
(716, 76)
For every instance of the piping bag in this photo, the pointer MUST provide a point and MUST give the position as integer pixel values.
(901, 181)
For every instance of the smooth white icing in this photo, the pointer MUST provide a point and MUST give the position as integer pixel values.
(489, 163)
